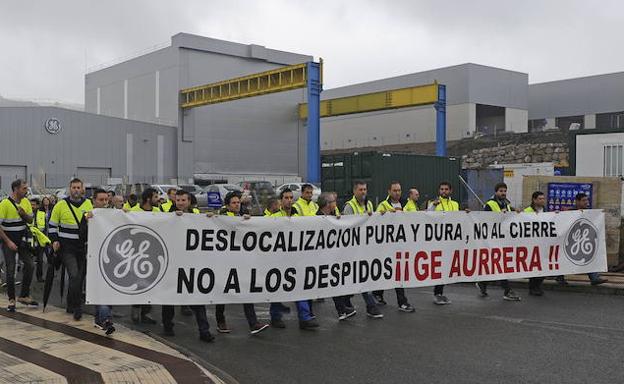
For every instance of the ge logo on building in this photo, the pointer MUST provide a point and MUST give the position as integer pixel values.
(133, 259)
(581, 242)
(52, 126)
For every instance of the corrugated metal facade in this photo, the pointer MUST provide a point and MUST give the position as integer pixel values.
(85, 144)
(378, 169)
(260, 135)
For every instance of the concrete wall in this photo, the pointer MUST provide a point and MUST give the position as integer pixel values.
(516, 120)
(607, 196)
(86, 141)
(590, 152)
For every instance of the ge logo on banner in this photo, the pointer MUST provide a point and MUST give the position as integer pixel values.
(133, 259)
(581, 242)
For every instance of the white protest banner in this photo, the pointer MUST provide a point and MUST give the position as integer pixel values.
(162, 258)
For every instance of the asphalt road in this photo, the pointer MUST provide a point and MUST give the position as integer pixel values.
(559, 338)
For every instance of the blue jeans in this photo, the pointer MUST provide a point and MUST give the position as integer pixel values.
(103, 313)
(593, 276)
(369, 300)
(303, 311)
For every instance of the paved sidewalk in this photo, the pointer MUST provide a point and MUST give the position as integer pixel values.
(51, 347)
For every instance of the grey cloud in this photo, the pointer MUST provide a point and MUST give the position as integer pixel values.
(47, 44)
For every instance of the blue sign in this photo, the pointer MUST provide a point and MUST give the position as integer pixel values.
(214, 200)
(561, 195)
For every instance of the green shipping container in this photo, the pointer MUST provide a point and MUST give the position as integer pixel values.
(378, 169)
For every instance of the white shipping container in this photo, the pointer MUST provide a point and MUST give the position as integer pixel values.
(513, 175)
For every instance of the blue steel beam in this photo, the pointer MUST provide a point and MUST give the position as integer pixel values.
(313, 152)
(440, 107)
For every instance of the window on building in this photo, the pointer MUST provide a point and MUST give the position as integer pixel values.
(490, 119)
(613, 120)
(613, 159)
(570, 122)
(537, 125)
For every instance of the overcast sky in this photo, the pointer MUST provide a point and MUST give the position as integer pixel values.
(47, 45)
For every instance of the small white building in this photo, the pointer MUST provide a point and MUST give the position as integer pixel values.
(598, 153)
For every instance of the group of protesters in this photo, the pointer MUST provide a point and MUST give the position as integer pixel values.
(31, 228)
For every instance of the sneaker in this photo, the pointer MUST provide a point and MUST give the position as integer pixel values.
(222, 328)
(482, 290)
(258, 328)
(511, 296)
(106, 326)
(109, 328)
(308, 324)
(27, 301)
(278, 323)
(379, 299)
(407, 307)
(342, 316)
(441, 300)
(147, 319)
(374, 313)
(599, 281)
(77, 314)
(207, 337)
(312, 315)
(11, 306)
(168, 331)
(351, 312)
(186, 311)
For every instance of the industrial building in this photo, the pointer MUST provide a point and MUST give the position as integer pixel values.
(225, 141)
(480, 100)
(581, 103)
(154, 118)
(48, 146)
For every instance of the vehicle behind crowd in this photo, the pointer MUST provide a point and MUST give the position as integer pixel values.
(200, 194)
(296, 190)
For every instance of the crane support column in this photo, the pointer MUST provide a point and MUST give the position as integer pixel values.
(440, 107)
(313, 126)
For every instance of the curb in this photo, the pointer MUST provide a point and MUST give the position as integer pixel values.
(218, 375)
(575, 287)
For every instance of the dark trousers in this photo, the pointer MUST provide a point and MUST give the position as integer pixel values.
(400, 294)
(27, 273)
(38, 259)
(75, 264)
(203, 326)
(145, 309)
(504, 284)
(535, 282)
(341, 303)
(250, 314)
(438, 290)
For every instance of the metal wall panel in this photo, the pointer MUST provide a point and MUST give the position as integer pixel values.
(85, 140)
(338, 172)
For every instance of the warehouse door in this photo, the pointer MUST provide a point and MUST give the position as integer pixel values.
(94, 176)
(8, 173)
